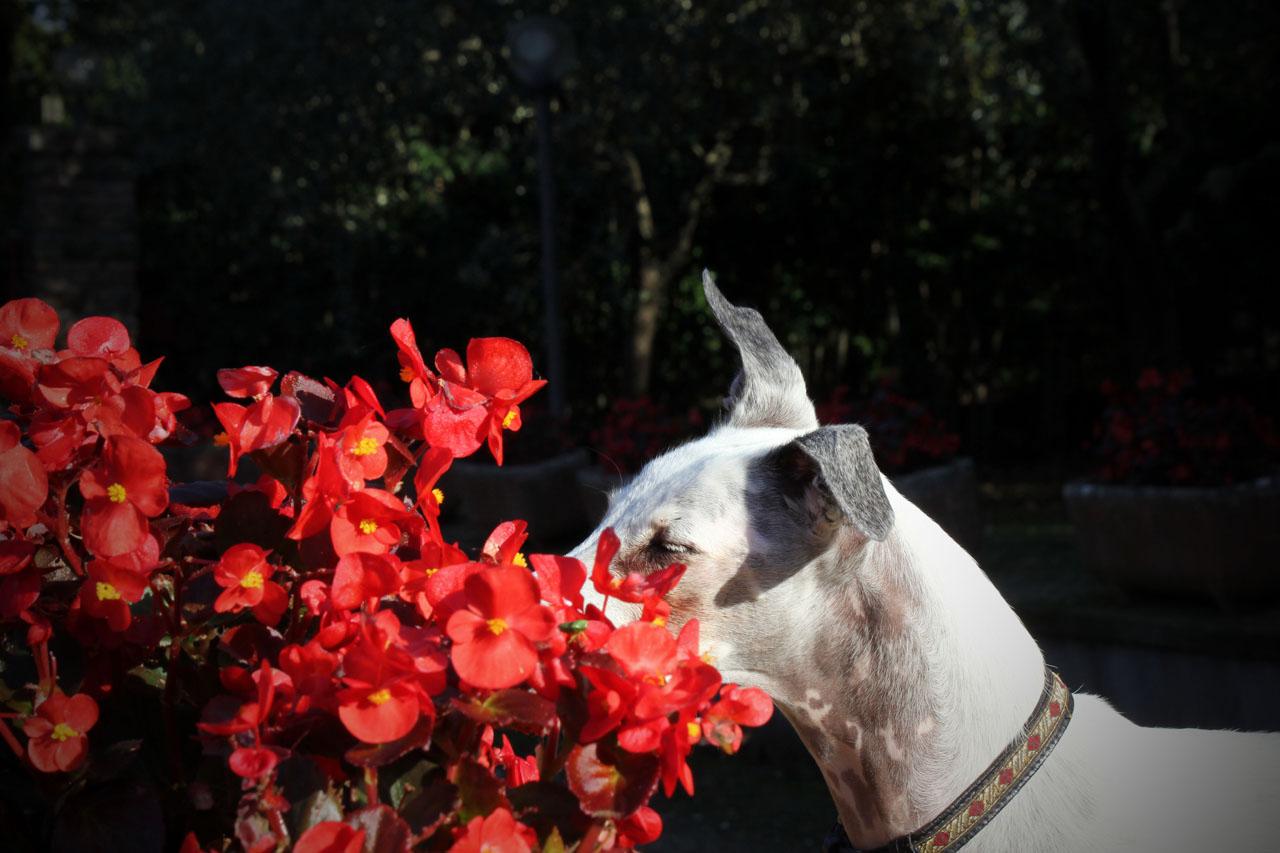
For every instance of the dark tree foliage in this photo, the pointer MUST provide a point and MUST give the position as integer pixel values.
(1003, 201)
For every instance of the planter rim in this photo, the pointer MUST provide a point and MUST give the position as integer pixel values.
(1083, 486)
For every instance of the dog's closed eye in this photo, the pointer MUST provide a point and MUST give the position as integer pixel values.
(662, 549)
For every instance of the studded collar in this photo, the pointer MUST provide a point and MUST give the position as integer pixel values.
(972, 810)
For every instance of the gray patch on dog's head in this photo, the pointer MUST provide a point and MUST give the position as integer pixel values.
(848, 470)
(770, 391)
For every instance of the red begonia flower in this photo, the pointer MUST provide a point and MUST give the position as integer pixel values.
(748, 706)
(360, 576)
(126, 487)
(245, 575)
(330, 836)
(26, 485)
(642, 826)
(360, 452)
(108, 592)
(103, 337)
(493, 636)
(369, 521)
(253, 762)
(379, 713)
(246, 381)
(497, 833)
(57, 731)
(413, 369)
(263, 425)
(28, 328)
(519, 770)
(27, 325)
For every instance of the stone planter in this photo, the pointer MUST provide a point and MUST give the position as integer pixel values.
(949, 495)
(1216, 542)
(544, 494)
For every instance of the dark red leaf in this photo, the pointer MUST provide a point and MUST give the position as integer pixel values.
(510, 708)
(481, 793)
(384, 831)
(316, 399)
(431, 804)
(611, 782)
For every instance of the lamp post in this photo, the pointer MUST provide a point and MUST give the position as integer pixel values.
(541, 53)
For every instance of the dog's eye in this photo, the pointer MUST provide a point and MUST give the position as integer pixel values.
(661, 548)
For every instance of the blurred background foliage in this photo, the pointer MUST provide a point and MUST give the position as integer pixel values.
(1002, 202)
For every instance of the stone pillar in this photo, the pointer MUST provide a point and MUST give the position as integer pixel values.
(79, 222)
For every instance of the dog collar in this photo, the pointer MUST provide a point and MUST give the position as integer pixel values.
(993, 790)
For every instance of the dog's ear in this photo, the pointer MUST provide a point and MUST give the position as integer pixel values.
(833, 475)
(769, 391)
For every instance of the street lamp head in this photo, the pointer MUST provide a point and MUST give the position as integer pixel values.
(541, 52)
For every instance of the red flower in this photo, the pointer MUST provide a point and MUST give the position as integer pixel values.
(253, 762)
(519, 770)
(1033, 743)
(390, 675)
(57, 731)
(497, 833)
(371, 521)
(246, 381)
(493, 637)
(28, 329)
(330, 836)
(359, 577)
(109, 591)
(976, 808)
(126, 487)
(413, 369)
(737, 707)
(263, 425)
(942, 839)
(245, 574)
(360, 454)
(480, 400)
(25, 483)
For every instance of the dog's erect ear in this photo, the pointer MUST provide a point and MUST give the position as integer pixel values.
(847, 470)
(769, 392)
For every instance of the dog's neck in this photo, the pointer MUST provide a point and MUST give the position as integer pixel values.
(913, 678)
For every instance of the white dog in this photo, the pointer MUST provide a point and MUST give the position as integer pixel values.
(912, 683)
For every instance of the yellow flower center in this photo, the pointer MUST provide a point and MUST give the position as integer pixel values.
(107, 592)
(368, 526)
(406, 373)
(519, 560)
(19, 341)
(508, 420)
(252, 579)
(379, 697)
(116, 493)
(222, 440)
(438, 495)
(695, 731)
(497, 626)
(62, 731)
(660, 621)
(365, 447)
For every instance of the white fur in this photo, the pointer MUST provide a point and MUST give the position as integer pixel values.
(967, 671)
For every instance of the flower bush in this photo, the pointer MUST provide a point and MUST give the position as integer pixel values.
(904, 434)
(636, 429)
(1160, 431)
(306, 662)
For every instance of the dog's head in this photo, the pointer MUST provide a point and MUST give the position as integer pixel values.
(767, 511)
